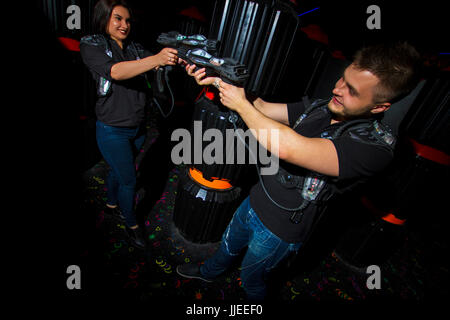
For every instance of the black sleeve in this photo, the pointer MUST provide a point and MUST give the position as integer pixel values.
(294, 111)
(360, 159)
(96, 59)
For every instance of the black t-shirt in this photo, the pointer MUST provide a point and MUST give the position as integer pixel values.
(357, 161)
(124, 105)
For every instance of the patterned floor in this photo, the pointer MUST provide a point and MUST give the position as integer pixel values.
(414, 272)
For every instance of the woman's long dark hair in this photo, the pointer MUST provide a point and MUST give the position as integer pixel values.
(102, 13)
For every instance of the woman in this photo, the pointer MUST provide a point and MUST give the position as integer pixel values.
(118, 66)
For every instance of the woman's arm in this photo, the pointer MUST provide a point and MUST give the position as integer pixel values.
(130, 69)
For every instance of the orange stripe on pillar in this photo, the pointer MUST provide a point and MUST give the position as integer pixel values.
(216, 183)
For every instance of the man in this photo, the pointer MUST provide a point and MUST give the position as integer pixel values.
(324, 150)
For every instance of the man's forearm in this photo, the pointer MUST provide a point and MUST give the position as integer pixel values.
(275, 111)
(261, 125)
(315, 154)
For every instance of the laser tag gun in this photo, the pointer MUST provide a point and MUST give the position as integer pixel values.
(199, 50)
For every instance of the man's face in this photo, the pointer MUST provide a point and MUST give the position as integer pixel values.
(119, 23)
(353, 95)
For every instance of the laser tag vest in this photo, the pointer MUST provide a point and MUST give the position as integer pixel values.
(318, 188)
(103, 84)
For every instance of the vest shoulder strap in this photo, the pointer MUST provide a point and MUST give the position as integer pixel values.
(372, 132)
(309, 107)
(98, 40)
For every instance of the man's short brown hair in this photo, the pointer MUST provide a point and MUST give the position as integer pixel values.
(395, 65)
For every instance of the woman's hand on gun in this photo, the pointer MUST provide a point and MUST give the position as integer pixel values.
(167, 57)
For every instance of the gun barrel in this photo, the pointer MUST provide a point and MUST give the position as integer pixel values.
(199, 50)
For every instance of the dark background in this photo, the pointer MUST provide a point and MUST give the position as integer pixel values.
(50, 105)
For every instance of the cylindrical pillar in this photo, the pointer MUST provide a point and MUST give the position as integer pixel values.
(204, 208)
(259, 34)
(228, 166)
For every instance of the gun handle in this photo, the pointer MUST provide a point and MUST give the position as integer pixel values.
(159, 80)
(210, 72)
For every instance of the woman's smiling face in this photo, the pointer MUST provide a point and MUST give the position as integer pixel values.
(119, 24)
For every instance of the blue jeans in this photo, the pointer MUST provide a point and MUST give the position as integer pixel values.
(118, 147)
(265, 251)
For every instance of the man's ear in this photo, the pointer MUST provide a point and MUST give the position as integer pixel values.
(380, 107)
